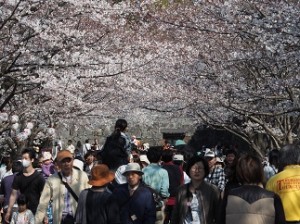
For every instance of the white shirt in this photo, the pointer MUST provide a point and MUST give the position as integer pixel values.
(193, 217)
(86, 147)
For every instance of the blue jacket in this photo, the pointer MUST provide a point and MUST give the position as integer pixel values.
(157, 178)
(138, 208)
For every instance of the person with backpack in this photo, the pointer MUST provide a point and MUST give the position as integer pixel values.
(117, 147)
(96, 204)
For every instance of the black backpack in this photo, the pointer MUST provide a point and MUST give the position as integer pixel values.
(113, 153)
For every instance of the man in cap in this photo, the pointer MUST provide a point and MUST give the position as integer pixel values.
(135, 199)
(216, 174)
(64, 202)
(178, 159)
(175, 180)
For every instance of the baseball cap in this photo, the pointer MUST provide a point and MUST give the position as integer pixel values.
(210, 154)
(63, 154)
(178, 157)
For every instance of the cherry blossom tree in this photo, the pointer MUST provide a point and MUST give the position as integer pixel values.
(217, 62)
(245, 78)
(258, 71)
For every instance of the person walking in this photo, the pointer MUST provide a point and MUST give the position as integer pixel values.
(62, 190)
(89, 162)
(175, 180)
(178, 159)
(157, 178)
(216, 174)
(5, 169)
(251, 203)
(96, 204)
(70, 146)
(29, 182)
(271, 167)
(286, 183)
(6, 187)
(197, 201)
(137, 205)
(86, 147)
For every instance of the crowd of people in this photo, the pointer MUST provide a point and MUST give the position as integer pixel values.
(122, 184)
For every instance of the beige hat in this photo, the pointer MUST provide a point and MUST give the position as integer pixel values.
(133, 167)
(46, 156)
(63, 154)
(144, 158)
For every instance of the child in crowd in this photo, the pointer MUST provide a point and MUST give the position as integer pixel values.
(23, 215)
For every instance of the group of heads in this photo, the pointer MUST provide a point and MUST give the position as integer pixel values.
(249, 168)
(230, 158)
(101, 175)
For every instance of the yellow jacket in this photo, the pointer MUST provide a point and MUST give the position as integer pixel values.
(287, 185)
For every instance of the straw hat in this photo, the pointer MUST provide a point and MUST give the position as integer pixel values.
(133, 167)
(100, 175)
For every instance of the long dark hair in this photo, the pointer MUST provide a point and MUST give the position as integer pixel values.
(120, 126)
